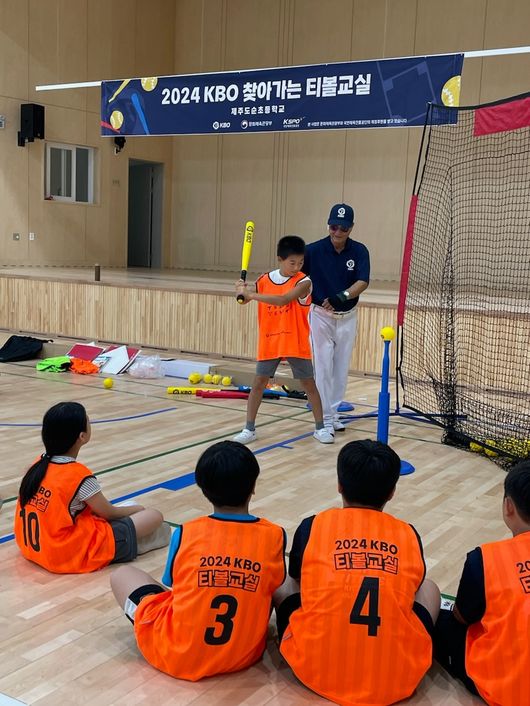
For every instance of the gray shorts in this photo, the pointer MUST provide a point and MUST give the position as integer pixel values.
(302, 367)
(125, 540)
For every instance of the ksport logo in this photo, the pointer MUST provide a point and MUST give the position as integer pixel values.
(291, 123)
(342, 212)
(350, 264)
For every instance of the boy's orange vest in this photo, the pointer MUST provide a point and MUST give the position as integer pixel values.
(498, 647)
(283, 330)
(356, 639)
(47, 534)
(215, 618)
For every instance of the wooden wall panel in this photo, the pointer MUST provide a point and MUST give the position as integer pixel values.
(293, 180)
(246, 194)
(376, 186)
(13, 188)
(321, 31)
(372, 169)
(62, 41)
(252, 36)
(194, 322)
(454, 26)
(58, 49)
(507, 25)
(315, 181)
(154, 34)
(111, 46)
(194, 230)
(14, 49)
(198, 35)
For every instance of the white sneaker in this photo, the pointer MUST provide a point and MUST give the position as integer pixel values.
(245, 437)
(338, 425)
(329, 428)
(157, 539)
(324, 436)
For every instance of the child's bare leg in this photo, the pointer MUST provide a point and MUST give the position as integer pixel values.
(428, 595)
(146, 521)
(254, 399)
(127, 579)
(313, 397)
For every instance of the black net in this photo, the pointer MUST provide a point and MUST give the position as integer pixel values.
(465, 337)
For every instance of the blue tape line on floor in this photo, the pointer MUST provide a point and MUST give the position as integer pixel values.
(173, 484)
(95, 421)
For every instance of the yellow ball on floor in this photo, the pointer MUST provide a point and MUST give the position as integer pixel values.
(477, 448)
(227, 380)
(108, 383)
(194, 378)
(489, 452)
(216, 379)
(207, 378)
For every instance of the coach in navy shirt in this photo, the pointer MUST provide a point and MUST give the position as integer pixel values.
(339, 268)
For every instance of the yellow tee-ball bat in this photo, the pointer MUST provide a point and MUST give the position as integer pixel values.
(245, 254)
(185, 390)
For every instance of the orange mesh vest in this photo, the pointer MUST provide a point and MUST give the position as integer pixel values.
(47, 534)
(356, 639)
(498, 647)
(215, 618)
(283, 330)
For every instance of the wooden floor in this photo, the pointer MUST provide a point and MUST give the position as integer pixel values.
(63, 640)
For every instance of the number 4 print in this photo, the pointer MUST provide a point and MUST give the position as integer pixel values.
(369, 590)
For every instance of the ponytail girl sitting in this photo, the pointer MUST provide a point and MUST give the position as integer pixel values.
(63, 521)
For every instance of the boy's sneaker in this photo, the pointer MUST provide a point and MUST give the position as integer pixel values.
(324, 436)
(338, 425)
(245, 437)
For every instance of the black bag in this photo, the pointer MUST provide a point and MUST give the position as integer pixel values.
(20, 348)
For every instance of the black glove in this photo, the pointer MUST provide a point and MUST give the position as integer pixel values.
(337, 299)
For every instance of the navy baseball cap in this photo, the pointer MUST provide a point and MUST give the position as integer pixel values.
(341, 215)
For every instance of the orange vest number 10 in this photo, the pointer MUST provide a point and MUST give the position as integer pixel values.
(31, 529)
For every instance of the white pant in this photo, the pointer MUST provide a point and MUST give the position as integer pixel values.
(332, 339)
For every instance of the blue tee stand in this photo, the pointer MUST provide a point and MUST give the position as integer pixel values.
(383, 411)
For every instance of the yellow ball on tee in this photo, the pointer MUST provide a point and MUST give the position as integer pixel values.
(108, 383)
(194, 378)
(227, 380)
(216, 379)
(388, 333)
(207, 378)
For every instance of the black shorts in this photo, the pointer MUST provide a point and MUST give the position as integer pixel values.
(133, 601)
(293, 602)
(125, 539)
(284, 612)
(450, 647)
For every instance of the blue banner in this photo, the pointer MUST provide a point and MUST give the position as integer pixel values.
(358, 94)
